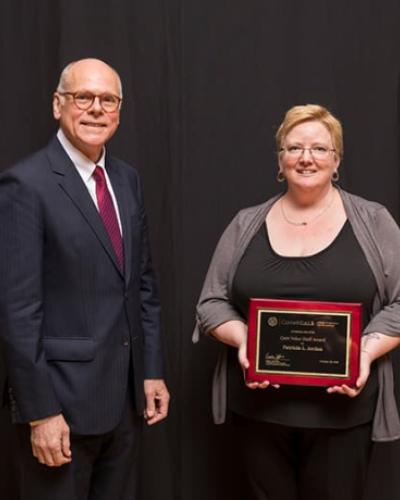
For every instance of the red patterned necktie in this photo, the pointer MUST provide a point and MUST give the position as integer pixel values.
(108, 214)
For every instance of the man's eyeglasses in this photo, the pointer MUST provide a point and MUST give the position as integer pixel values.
(319, 152)
(84, 100)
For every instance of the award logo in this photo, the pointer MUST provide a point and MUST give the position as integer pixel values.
(272, 321)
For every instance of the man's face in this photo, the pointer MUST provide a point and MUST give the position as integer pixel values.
(88, 130)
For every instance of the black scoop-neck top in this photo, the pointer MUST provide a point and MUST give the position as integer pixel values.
(338, 273)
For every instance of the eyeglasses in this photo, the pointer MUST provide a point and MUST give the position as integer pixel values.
(84, 100)
(318, 152)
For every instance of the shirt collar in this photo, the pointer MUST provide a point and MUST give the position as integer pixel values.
(85, 166)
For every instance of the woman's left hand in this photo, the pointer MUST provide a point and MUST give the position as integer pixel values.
(352, 392)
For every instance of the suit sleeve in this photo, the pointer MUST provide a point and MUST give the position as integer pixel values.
(149, 303)
(22, 235)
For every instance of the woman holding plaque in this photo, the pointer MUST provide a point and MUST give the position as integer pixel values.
(313, 242)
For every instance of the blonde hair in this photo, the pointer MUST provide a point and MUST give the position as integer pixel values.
(307, 113)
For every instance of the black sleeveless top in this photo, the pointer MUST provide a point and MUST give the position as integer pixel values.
(338, 273)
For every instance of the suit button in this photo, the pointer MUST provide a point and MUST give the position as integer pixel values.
(125, 342)
(126, 296)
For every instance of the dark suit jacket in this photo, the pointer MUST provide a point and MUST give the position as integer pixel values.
(70, 321)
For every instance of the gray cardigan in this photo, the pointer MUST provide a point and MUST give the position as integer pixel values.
(379, 238)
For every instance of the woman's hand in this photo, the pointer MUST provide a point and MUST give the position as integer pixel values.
(244, 363)
(365, 368)
(373, 346)
(234, 333)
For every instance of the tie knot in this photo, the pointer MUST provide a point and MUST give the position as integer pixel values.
(99, 175)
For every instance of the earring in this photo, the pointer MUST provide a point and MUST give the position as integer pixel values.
(280, 177)
(335, 176)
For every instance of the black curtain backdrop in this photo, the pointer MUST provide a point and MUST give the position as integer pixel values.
(206, 84)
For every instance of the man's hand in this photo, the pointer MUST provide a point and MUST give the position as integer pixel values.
(157, 400)
(50, 441)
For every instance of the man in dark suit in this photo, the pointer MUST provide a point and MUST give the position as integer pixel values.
(79, 313)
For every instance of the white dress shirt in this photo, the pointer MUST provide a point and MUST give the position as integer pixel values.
(85, 168)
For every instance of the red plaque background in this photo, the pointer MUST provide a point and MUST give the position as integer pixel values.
(271, 320)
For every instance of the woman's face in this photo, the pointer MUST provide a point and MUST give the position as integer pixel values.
(308, 159)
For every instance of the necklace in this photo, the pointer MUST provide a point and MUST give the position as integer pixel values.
(306, 223)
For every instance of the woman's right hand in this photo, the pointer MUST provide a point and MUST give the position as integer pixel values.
(234, 333)
(242, 355)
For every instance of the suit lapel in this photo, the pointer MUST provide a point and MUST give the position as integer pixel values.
(71, 183)
(120, 191)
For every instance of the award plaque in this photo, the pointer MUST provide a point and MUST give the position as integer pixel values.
(303, 342)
